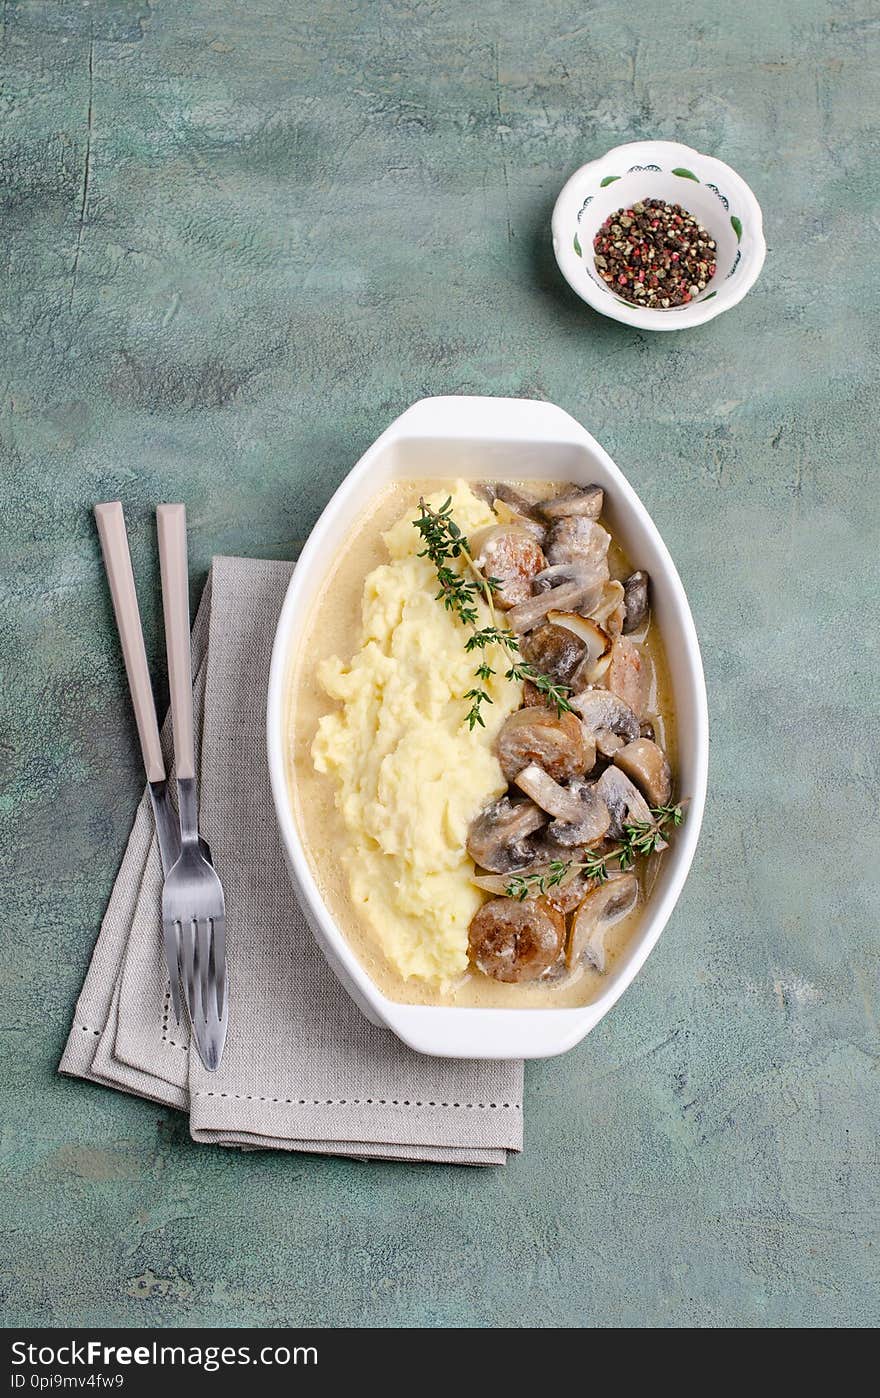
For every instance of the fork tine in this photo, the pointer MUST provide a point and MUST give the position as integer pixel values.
(218, 949)
(215, 996)
(195, 989)
(187, 961)
(203, 962)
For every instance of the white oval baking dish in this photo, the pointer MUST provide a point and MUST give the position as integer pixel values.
(509, 439)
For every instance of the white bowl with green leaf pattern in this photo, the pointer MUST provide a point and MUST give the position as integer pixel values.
(716, 195)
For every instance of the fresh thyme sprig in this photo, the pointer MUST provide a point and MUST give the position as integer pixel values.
(640, 838)
(459, 594)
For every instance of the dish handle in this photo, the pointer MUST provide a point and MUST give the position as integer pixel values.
(516, 419)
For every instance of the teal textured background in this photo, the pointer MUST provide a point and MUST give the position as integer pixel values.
(237, 241)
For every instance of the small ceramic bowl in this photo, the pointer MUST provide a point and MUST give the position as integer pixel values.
(706, 187)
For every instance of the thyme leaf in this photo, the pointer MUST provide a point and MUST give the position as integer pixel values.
(640, 838)
(460, 593)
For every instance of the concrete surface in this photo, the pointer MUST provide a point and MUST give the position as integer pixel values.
(238, 239)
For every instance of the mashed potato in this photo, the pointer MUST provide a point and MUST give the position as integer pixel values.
(409, 774)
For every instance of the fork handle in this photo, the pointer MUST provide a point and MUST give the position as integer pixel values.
(171, 524)
(117, 562)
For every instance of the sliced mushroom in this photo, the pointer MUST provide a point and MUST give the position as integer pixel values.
(602, 710)
(610, 610)
(592, 822)
(546, 849)
(554, 741)
(511, 555)
(498, 837)
(556, 800)
(586, 500)
(514, 498)
(578, 592)
(597, 914)
(564, 896)
(626, 804)
(484, 490)
(506, 514)
(495, 884)
(554, 650)
(646, 764)
(650, 870)
(608, 743)
(636, 604)
(559, 573)
(580, 814)
(510, 507)
(580, 540)
(596, 642)
(627, 676)
(516, 941)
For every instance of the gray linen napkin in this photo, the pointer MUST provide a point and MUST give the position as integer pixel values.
(303, 1070)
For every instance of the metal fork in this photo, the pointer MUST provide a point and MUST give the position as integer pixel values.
(117, 562)
(193, 910)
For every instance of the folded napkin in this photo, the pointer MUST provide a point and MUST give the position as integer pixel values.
(303, 1070)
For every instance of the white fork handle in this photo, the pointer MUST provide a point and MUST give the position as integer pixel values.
(171, 524)
(117, 562)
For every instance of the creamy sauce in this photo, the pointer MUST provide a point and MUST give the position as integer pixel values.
(334, 629)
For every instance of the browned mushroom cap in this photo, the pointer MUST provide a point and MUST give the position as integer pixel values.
(580, 540)
(586, 500)
(573, 588)
(645, 763)
(626, 804)
(555, 741)
(603, 711)
(498, 837)
(598, 912)
(635, 601)
(596, 644)
(511, 555)
(513, 941)
(554, 650)
(627, 676)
